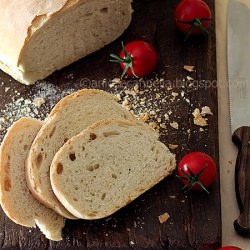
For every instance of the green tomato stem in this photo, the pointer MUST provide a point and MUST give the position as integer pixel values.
(196, 23)
(127, 61)
(192, 179)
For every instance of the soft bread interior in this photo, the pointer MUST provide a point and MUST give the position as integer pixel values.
(16, 199)
(69, 117)
(72, 34)
(108, 165)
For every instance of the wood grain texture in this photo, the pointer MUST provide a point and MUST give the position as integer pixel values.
(194, 217)
(241, 138)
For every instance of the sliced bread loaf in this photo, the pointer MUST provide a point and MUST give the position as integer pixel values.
(39, 37)
(107, 166)
(15, 197)
(69, 117)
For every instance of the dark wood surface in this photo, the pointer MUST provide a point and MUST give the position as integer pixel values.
(241, 138)
(195, 219)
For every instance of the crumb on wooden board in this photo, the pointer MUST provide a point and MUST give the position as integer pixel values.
(163, 217)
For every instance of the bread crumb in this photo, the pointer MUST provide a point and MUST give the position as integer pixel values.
(131, 242)
(199, 116)
(157, 96)
(126, 104)
(206, 111)
(152, 112)
(172, 196)
(163, 125)
(1, 128)
(174, 94)
(201, 130)
(163, 217)
(116, 81)
(189, 68)
(166, 116)
(2, 119)
(189, 78)
(144, 117)
(230, 162)
(173, 146)
(174, 125)
(198, 119)
(38, 101)
(7, 89)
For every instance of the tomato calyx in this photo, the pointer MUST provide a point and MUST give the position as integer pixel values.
(127, 61)
(196, 23)
(192, 179)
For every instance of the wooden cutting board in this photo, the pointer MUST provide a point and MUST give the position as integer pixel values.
(169, 98)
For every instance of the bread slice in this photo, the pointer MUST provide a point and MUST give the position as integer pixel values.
(69, 117)
(107, 166)
(15, 197)
(39, 37)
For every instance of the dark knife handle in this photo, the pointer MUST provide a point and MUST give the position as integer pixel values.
(241, 138)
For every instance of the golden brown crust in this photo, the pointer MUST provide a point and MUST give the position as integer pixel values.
(80, 93)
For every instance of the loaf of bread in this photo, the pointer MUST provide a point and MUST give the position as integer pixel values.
(39, 37)
(16, 200)
(107, 166)
(69, 117)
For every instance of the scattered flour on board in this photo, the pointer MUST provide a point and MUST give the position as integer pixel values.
(37, 105)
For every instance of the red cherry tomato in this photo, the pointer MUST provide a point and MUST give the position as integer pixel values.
(137, 58)
(197, 171)
(229, 248)
(192, 17)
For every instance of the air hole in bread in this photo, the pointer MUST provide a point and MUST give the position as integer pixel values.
(52, 132)
(93, 194)
(114, 176)
(83, 148)
(125, 116)
(92, 136)
(72, 156)
(104, 10)
(59, 168)
(25, 147)
(93, 167)
(103, 196)
(111, 133)
(39, 160)
(7, 185)
(76, 188)
(75, 199)
(65, 140)
(153, 148)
